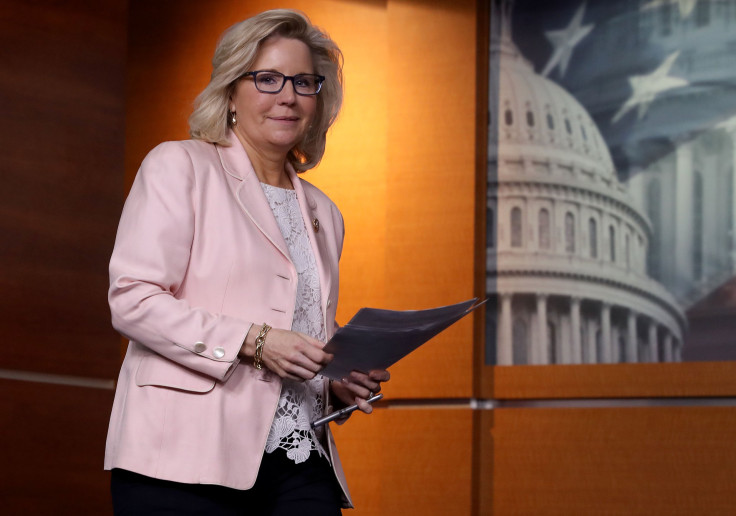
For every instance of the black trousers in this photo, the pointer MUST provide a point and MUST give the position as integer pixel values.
(282, 488)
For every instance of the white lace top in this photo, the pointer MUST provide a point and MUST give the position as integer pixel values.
(300, 402)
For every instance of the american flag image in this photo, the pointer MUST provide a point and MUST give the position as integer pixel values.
(658, 80)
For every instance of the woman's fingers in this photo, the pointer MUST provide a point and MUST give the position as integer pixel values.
(346, 392)
(358, 387)
(363, 386)
(296, 372)
(364, 405)
(380, 375)
(294, 355)
(312, 349)
(371, 381)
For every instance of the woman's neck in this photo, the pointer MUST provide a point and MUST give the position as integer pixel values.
(272, 173)
(270, 167)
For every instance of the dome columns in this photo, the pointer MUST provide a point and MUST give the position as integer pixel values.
(607, 357)
(653, 342)
(590, 350)
(505, 332)
(541, 350)
(575, 356)
(576, 330)
(631, 337)
(677, 351)
(668, 355)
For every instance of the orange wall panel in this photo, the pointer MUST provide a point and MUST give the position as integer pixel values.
(633, 461)
(431, 185)
(610, 380)
(402, 461)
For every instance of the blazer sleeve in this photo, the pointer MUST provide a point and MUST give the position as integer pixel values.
(149, 264)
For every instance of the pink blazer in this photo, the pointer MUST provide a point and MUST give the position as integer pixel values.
(199, 258)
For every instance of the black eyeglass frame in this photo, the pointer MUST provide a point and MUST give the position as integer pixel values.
(254, 74)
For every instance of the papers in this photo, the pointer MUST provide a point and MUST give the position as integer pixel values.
(377, 339)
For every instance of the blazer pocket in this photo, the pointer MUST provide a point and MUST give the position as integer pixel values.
(158, 371)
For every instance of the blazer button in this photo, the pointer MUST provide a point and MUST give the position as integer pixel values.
(199, 347)
(218, 352)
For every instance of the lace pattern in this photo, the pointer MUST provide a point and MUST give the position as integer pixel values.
(300, 402)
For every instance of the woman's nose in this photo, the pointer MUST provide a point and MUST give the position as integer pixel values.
(287, 95)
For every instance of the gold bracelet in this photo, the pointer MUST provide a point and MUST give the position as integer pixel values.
(260, 341)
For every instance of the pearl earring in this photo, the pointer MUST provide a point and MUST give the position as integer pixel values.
(233, 120)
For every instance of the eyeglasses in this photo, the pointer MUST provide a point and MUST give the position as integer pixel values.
(273, 82)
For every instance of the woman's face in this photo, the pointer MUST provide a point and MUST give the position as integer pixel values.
(274, 123)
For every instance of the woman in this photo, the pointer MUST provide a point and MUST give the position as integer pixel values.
(225, 278)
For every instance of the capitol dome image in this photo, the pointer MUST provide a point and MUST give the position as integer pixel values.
(566, 245)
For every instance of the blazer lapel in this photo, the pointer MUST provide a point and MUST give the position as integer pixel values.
(249, 193)
(253, 201)
(316, 238)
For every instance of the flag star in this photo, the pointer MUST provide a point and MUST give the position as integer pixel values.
(686, 6)
(565, 40)
(646, 87)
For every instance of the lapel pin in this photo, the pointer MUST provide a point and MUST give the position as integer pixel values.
(315, 225)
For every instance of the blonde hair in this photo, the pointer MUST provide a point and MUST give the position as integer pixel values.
(235, 54)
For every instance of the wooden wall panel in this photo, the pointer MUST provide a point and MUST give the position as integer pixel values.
(53, 448)
(685, 379)
(633, 461)
(61, 157)
(431, 185)
(402, 461)
(62, 105)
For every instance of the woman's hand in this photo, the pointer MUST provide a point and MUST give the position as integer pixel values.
(358, 387)
(294, 355)
(289, 354)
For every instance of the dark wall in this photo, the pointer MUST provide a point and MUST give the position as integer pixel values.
(62, 107)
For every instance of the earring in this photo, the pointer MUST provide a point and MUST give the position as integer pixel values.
(233, 120)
